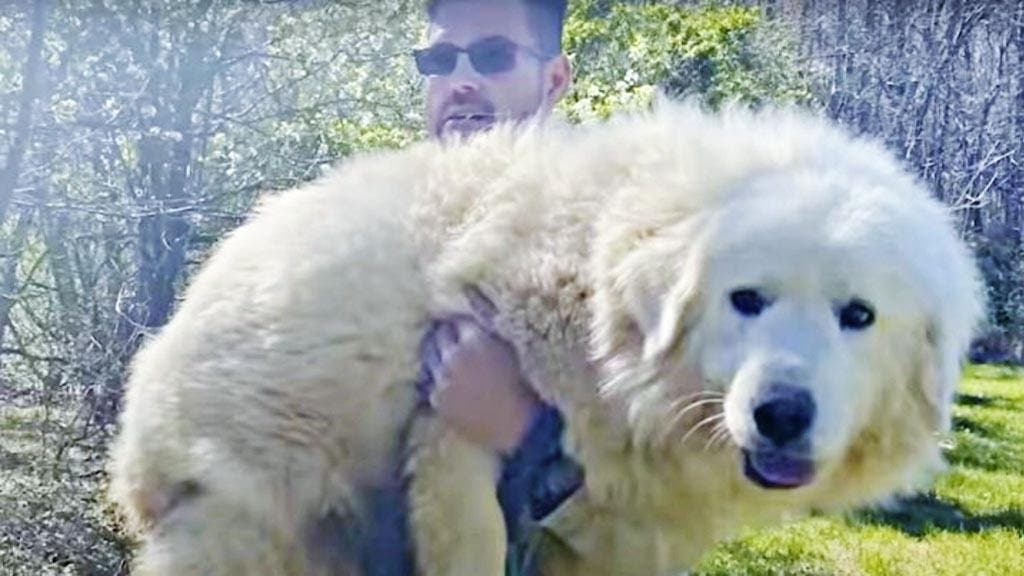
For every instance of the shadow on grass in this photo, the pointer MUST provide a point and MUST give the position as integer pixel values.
(926, 514)
(967, 424)
(993, 402)
(974, 400)
(986, 442)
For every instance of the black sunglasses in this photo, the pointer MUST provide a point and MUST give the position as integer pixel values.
(492, 55)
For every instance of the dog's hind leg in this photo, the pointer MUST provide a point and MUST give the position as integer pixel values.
(454, 512)
(214, 536)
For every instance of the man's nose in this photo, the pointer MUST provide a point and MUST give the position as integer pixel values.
(464, 80)
(463, 92)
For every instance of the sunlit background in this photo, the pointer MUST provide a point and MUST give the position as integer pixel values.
(135, 134)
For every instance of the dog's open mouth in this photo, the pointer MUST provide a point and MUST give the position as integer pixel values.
(776, 469)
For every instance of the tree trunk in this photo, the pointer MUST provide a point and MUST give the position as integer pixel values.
(840, 80)
(9, 275)
(31, 76)
(163, 237)
(166, 166)
(1015, 203)
(866, 103)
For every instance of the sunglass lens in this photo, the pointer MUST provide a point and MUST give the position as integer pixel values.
(493, 56)
(437, 60)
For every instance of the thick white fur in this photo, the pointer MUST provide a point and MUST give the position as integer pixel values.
(276, 393)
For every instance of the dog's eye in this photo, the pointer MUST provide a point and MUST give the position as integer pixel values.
(748, 302)
(857, 315)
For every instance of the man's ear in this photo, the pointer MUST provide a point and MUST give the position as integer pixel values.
(557, 79)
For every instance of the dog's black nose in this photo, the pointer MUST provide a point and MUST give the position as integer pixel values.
(785, 415)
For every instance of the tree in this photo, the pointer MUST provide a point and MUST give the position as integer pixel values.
(624, 53)
(30, 88)
(940, 83)
(9, 177)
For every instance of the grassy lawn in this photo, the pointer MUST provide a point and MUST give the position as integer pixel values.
(53, 519)
(971, 523)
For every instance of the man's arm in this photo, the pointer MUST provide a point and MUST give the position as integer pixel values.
(472, 378)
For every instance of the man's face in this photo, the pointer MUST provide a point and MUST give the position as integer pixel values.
(466, 100)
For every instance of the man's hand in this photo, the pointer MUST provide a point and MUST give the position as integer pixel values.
(472, 378)
(475, 384)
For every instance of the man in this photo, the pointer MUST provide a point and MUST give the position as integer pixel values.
(491, 61)
(486, 61)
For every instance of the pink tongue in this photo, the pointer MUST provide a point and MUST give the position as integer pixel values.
(780, 469)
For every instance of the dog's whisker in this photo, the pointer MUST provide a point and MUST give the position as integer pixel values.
(699, 403)
(699, 425)
(719, 438)
(724, 441)
(702, 393)
(716, 431)
(712, 395)
(707, 443)
(727, 436)
(674, 419)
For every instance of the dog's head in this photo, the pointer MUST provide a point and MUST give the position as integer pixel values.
(811, 317)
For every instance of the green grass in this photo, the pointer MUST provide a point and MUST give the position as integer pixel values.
(53, 520)
(970, 523)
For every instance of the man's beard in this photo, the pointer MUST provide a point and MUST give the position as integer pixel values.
(461, 119)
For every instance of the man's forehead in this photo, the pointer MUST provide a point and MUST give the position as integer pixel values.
(463, 21)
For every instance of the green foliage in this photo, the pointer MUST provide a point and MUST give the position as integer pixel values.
(1001, 261)
(624, 54)
(346, 137)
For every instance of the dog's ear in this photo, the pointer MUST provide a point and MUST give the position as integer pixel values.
(662, 298)
(942, 363)
(662, 314)
(949, 329)
(647, 293)
(932, 384)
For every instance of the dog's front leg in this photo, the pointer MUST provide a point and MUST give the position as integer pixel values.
(454, 513)
(584, 538)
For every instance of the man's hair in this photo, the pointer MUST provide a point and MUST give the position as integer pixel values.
(545, 18)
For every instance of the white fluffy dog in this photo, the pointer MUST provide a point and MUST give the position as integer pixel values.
(743, 316)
